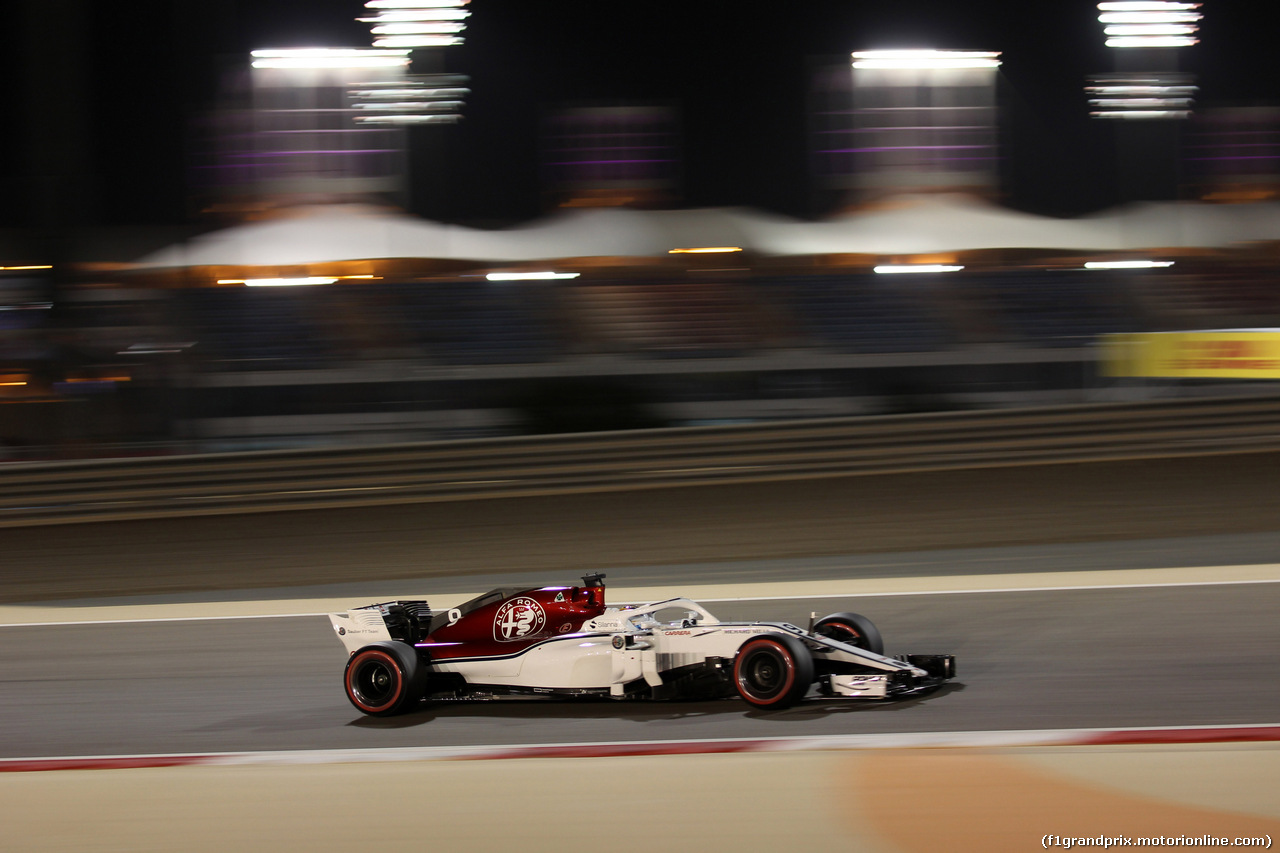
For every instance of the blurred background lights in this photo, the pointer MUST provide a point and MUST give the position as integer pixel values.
(416, 23)
(1150, 24)
(916, 268)
(421, 99)
(278, 282)
(530, 276)
(329, 57)
(926, 59)
(1127, 265)
(1150, 95)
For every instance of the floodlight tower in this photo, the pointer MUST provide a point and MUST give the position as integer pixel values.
(1146, 94)
(416, 23)
(428, 96)
(308, 143)
(924, 121)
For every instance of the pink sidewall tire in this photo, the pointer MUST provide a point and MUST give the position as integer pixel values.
(773, 671)
(384, 679)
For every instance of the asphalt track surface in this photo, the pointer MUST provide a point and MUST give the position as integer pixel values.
(1160, 656)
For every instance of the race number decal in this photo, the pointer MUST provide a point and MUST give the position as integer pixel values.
(517, 619)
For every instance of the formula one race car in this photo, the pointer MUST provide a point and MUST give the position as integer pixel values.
(563, 641)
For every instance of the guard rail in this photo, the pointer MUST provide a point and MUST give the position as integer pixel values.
(104, 490)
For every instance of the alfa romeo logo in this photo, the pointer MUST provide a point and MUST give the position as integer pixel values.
(517, 619)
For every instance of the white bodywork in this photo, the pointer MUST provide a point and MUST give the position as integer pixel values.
(625, 645)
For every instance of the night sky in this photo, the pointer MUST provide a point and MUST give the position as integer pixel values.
(737, 71)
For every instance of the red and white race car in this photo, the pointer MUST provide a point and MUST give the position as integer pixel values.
(564, 641)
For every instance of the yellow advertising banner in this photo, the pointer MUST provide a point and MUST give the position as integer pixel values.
(1242, 354)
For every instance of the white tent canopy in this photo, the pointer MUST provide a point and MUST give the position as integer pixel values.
(909, 225)
(312, 235)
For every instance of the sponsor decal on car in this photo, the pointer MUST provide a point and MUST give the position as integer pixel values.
(518, 618)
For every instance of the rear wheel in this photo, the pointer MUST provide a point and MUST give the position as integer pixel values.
(384, 679)
(851, 628)
(773, 671)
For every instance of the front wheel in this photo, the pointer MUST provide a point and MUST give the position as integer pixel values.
(773, 671)
(384, 679)
(851, 628)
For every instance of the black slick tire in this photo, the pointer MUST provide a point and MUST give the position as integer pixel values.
(383, 679)
(773, 671)
(851, 628)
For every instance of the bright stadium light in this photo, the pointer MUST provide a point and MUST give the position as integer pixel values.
(1151, 30)
(1151, 41)
(1145, 6)
(530, 276)
(422, 99)
(1154, 95)
(328, 57)
(1150, 24)
(419, 28)
(413, 15)
(414, 4)
(408, 119)
(891, 269)
(1127, 265)
(1149, 18)
(925, 59)
(417, 41)
(417, 23)
(1141, 115)
(1142, 103)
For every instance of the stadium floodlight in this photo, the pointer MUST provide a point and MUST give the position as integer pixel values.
(408, 119)
(1146, 6)
(1146, 90)
(419, 28)
(328, 57)
(417, 23)
(891, 269)
(1152, 41)
(530, 276)
(414, 4)
(423, 99)
(411, 15)
(1127, 265)
(1150, 23)
(1149, 18)
(1143, 97)
(1141, 115)
(417, 41)
(428, 107)
(926, 59)
(1142, 103)
(1151, 30)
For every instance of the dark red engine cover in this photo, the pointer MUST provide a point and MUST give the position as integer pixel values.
(512, 621)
